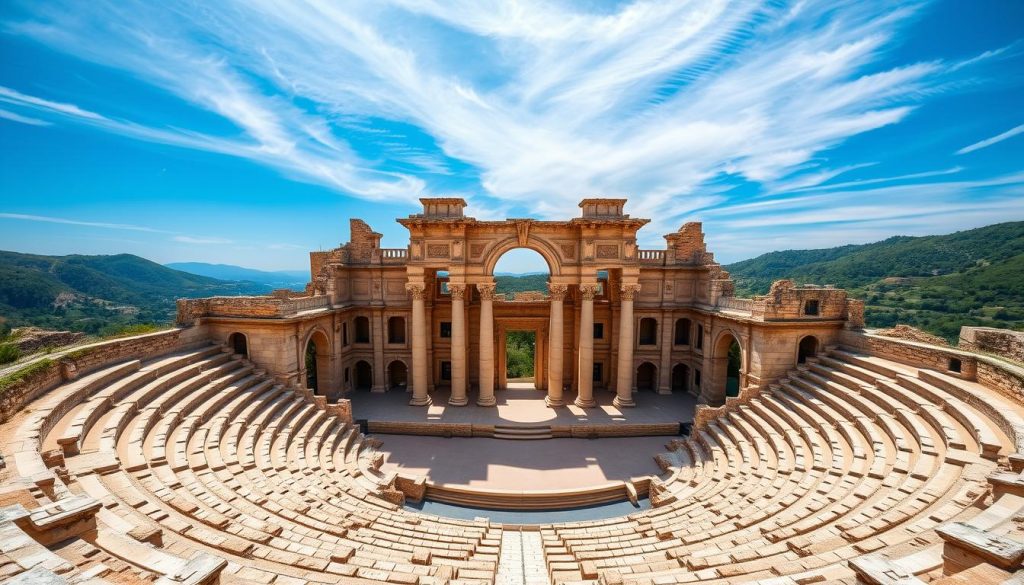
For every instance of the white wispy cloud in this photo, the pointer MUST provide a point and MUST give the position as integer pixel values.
(544, 102)
(98, 224)
(7, 115)
(994, 140)
(203, 240)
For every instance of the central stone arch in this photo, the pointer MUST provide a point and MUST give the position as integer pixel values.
(546, 249)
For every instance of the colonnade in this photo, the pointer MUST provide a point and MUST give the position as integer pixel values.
(556, 347)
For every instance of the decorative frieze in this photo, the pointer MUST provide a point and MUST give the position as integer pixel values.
(607, 251)
(438, 251)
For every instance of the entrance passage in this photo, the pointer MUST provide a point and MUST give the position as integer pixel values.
(732, 379)
(521, 358)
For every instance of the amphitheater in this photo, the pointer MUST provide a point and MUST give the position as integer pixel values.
(770, 440)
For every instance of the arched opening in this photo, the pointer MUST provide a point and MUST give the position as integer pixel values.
(648, 331)
(808, 348)
(397, 375)
(732, 376)
(318, 363)
(682, 332)
(681, 378)
(521, 270)
(727, 362)
(646, 377)
(363, 375)
(396, 330)
(362, 325)
(238, 344)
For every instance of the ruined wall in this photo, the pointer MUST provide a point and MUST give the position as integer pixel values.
(785, 300)
(1001, 342)
(35, 379)
(687, 246)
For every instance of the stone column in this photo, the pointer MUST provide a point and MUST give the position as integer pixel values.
(556, 351)
(624, 379)
(377, 332)
(420, 396)
(585, 374)
(486, 397)
(458, 292)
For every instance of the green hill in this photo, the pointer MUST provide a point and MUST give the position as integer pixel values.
(936, 283)
(98, 294)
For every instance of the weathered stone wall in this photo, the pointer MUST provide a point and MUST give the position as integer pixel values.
(1006, 378)
(29, 339)
(59, 368)
(912, 334)
(912, 353)
(1001, 342)
(687, 245)
(785, 300)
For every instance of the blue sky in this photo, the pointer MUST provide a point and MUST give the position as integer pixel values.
(249, 132)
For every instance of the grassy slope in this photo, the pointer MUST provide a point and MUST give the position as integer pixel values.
(97, 293)
(937, 283)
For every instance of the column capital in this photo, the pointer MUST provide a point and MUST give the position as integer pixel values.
(487, 291)
(558, 291)
(418, 291)
(589, 291)
(628, 291)
(457, 291)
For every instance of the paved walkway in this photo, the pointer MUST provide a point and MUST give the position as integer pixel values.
(522, 559)
(523, 406)
(522, 465)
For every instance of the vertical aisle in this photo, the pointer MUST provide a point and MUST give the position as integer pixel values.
(522, 559)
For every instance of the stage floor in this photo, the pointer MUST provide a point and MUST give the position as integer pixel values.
(524, 407)
(522, 465)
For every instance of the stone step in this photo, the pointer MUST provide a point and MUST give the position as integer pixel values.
(531, 432)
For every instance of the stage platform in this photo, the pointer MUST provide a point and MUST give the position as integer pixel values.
(521, 413)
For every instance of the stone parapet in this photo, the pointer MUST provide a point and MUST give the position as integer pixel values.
(263, 307)
(1001, 342)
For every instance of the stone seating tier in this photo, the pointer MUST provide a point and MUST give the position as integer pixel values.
(195, 467)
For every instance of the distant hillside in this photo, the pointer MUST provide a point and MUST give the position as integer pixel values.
(508, 284)
(98, 294)
(937, 283)
(294, 279)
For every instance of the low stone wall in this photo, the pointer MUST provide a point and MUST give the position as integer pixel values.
(580, 431)
(34, 379)
(1002, 376)
(1001, 342)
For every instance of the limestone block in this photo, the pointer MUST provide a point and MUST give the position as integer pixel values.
(201, 569)
(1001, 551)
(878, 570)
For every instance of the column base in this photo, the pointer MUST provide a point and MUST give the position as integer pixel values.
(618, 402)
(664, 391)
(458, 401)
(425, 401)
(553, 402)
(490, 401)
(378, 389)
(585, 403)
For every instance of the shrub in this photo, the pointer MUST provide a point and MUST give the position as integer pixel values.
(9, 353)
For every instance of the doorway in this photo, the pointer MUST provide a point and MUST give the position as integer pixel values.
(521, 359)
